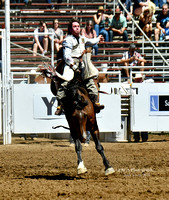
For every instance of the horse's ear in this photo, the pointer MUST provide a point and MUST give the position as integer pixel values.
(53, 87)
(60, 54)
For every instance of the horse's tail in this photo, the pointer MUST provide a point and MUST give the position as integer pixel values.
(55, 127)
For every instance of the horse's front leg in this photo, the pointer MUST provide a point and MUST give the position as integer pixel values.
(81, 169)
(100, 150)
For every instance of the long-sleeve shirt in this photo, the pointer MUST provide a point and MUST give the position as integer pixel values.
(73, 47)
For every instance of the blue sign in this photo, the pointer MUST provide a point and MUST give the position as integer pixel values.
(159, 104)
(154, 103)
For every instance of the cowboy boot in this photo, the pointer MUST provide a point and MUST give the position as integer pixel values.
(59, 110)
(97, 106)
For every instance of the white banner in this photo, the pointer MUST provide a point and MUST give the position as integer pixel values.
(34, 107)
(149, 107)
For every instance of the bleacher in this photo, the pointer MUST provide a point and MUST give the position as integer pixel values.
(26, 19)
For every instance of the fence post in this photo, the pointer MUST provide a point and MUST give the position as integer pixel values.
(6, 78)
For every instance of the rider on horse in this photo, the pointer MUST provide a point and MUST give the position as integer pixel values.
(78, 59)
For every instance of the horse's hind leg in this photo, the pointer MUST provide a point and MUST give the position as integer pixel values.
(100, 150)
(81, 169)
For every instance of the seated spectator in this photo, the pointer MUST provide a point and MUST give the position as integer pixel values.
(100, 23)
(89, 32)
(138, 6)
(162, 35)
(159, 3)
(27, 2)
(58, 35)
(145, 23)
(50, 2)
(160, 24)
(129, 8)
(2, 4)
(132, 58)
(40, 41)
(118, 25)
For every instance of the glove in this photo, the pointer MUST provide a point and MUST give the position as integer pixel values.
(74, 67)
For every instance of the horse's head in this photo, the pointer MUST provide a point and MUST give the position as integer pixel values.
(75, 95)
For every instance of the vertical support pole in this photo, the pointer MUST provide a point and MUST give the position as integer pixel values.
(7, 80)
(53, 50)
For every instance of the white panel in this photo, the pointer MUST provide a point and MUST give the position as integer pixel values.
(109, 119)
(142, 118)
(0, 107)
(31, 114)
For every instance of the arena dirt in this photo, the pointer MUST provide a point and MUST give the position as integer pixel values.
(46, 169)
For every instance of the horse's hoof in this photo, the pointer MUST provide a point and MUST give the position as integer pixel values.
(81, 170)
(109, 171)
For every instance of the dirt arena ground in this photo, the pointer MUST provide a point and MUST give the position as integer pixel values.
(46, 169)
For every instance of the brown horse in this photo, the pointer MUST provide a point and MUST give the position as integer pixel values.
(81, 117)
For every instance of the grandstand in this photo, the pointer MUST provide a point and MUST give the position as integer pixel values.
(26, 19)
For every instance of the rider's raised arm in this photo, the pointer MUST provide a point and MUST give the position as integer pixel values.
(91, 41)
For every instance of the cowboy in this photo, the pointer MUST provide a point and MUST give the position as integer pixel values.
(75, 59)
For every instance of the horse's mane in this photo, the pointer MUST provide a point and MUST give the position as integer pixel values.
(74, 97)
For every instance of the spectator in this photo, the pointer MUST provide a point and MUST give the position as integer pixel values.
(160, 24)
(144, 136)
(117, 26)
(2, 4)
(132, 58)
(50, 2)
(58, 35)
(138, 6)
(128, 5)
(145, 23)
(27, 2)
(40, 41)
(162, 35)
(89, 32)
(159, 3)
(100, 22)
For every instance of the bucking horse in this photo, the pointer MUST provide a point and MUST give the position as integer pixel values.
(80, 115)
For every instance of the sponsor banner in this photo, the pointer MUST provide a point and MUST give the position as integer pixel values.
(159, 104)
(44, 106)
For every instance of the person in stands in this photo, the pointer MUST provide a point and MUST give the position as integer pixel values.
(132, 58)
(50, 2)
(161, 23)
(89, 32)
(128, 5)
(40, 41)
(118, 25)
(138, 6)
(2, 4)
(145, 23)
(58, 35)
(100, 22)
(27, 2)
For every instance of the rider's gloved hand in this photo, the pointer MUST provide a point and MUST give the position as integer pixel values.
(74, 67)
